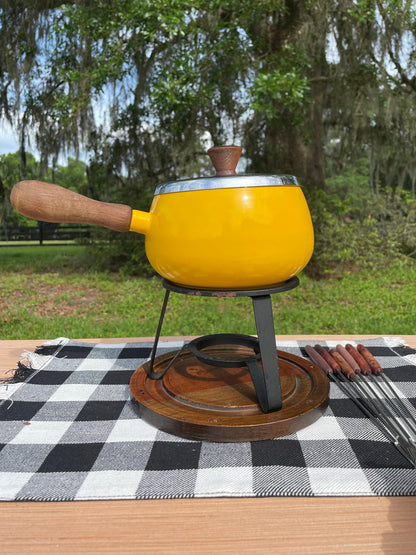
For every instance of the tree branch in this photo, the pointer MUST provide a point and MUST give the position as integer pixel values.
(410, 82)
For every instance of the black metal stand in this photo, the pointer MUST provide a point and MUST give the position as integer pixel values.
(266, 379)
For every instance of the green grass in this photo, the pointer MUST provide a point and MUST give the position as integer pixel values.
(36, 243)
(41, 258)
(48, 292)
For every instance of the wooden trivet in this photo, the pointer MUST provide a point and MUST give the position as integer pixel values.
(202, 402)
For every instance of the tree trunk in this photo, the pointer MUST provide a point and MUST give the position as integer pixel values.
(289, 150)
(290, 146)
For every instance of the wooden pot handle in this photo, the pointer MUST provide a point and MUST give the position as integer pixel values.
(51, 203)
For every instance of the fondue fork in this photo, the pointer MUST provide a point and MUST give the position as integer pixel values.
(357, 369)
(347, 375)
(341, 373)
(385, 388)
(368, 366)
(375, 395)
(372, 380)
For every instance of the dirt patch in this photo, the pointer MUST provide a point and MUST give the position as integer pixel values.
(58, 300)
(66, 300)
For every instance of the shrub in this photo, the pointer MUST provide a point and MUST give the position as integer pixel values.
(355, 228)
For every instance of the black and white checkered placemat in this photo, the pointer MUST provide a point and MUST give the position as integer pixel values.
(70, 433)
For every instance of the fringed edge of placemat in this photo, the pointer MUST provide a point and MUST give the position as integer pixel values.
(43, 354)
(35, 361)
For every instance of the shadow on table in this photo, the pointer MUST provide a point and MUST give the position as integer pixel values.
(401, 538)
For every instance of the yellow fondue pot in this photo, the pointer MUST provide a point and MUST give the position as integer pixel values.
(224, 232)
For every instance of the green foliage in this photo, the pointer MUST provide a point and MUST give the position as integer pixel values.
(72, 176)
(285, 87)
(11, 168)
(10, 173)
(121, 253)
(355, 228)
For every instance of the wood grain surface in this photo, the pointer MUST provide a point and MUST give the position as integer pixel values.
(330, 525)
(198, 401)
(47, 202)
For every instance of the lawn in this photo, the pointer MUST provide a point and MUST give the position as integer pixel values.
(49, 292)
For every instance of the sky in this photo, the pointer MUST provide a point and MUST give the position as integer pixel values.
(9, 143)
(8, 139)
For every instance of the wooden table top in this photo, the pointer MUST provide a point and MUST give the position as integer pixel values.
(330, 525)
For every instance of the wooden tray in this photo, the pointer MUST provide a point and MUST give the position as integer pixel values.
(202, 402)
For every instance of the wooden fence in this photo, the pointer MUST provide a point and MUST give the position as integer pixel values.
(45, 232)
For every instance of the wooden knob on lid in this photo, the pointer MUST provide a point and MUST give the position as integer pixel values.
(225, 159)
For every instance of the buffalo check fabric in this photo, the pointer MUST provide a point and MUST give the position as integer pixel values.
(70, 432)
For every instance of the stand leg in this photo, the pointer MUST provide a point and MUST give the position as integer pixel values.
(263, 314)
(152, 374)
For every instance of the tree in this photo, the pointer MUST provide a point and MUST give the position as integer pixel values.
(145, 86)
(10, 167)
(171, 74)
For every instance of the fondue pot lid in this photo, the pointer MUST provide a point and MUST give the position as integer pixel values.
(225, 159)
(202, 183)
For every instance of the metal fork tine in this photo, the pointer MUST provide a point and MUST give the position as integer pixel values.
(389, 385)
(384, 410)
(363, 394)
(386, 428)
(393, 408)
(377, 410)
